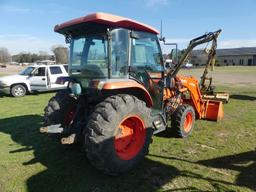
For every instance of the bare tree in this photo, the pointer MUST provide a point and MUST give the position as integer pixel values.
(31, 57)
(4, 55)
(60, 53)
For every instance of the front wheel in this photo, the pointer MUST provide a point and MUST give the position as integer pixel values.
(18, 91)
(60, 109)
(183, 120)
(119, 134)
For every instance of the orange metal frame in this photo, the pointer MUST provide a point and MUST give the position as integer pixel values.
(205, 109)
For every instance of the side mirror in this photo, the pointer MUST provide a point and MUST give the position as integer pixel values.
(134, 35)
(168, 63)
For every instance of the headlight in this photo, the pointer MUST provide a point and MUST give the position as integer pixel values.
(2, 84)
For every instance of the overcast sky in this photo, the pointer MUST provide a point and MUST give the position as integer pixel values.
(27, 25)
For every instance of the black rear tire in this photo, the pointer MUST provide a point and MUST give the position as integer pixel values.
(59, 108)
(178, 121)
(104, 126)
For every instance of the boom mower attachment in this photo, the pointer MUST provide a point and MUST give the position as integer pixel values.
(205, 109)
(194, 43)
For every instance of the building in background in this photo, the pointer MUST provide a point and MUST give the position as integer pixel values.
(227, 57)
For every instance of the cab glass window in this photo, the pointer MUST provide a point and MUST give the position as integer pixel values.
(119, 52)
(146, 53)
(89, 56)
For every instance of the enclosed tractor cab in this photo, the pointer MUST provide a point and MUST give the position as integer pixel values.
(119, 92)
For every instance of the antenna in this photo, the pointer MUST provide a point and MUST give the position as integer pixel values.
(161, 36)
(161, 32)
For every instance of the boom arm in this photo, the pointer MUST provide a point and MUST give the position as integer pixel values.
(193, 43)
(210, 62)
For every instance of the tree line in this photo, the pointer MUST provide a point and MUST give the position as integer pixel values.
(60, 55)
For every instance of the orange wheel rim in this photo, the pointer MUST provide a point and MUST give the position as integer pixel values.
(130, 138)
(188, 122)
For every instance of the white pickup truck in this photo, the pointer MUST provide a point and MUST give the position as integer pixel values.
(35, 78)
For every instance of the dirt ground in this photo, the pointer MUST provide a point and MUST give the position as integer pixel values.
(237, 75)
(11, 70)
(221, 75)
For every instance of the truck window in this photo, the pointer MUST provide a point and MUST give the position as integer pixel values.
(66, 68)
(27, 71)
(55, 70)
(40, 71)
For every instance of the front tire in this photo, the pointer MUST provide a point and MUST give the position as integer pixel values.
(60, 109)
(183, 121)
(119, 134)
(18, 91)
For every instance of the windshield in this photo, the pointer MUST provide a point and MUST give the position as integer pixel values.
(27, 71)
(89, 56)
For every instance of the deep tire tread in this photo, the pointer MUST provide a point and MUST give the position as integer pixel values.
(54, 112)
(101, 132)
(178, 118)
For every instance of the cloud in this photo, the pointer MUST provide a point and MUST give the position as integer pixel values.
(51, 8)
(222, 44)
(183, 42)
(152, 3)
(17, 43)
(237, 43)
(14, 9)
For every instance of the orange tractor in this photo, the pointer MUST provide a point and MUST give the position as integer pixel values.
(119, 92)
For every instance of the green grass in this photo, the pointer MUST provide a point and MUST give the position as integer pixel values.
(217, 157)
(239, 69)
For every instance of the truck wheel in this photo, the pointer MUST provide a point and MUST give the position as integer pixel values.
(18, 90)
(183, 121)
(119, 134)
(60, 109)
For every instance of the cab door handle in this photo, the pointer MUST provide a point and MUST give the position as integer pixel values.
(43, 79)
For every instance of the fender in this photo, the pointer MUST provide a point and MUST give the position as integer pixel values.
(130, 85)
(28, 85)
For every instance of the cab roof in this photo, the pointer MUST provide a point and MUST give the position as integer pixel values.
(104, 19)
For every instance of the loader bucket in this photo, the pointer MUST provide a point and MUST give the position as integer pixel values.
(214, 110)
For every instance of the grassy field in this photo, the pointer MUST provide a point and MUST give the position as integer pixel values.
(217, 157)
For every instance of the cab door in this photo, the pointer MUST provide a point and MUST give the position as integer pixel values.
(38, 79)
(147, 66)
